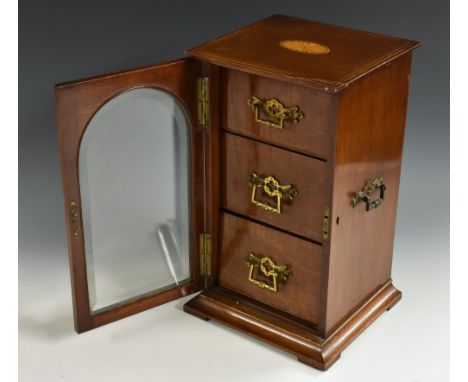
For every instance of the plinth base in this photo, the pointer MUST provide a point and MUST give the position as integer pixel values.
(223, 306)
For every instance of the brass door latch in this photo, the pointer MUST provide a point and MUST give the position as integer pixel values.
(269, 269)
(273, 189)
(74, 219)
(326, 222)
(369, 188)
(275, 110)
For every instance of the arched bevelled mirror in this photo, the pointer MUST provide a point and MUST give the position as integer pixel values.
(134, 185)
(132, 157)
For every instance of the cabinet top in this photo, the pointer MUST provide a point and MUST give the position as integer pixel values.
(320, 55)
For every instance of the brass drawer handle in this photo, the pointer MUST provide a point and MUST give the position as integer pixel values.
(275, 110)
(369, 188)
(269, 269)
(273, 189)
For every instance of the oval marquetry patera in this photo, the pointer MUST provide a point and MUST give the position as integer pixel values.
(302, 46)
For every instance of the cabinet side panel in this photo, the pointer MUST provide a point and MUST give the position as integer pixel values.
(369, 142)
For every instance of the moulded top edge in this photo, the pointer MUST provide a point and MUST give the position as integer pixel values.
(322, 56)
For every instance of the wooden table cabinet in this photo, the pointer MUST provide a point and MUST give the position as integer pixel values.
(263, 170)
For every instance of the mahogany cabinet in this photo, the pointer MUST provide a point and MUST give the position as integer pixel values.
(262, 170)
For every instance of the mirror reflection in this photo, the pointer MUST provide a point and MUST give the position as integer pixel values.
(134, 183)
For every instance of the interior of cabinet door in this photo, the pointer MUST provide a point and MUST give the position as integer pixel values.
(132, 170)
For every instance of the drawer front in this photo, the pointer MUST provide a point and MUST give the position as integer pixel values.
(298, 294)
(310, 134)
(300, 213)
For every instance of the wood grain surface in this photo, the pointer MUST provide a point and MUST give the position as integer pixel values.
(257, 49)
(311, 135)
(241, 157)
(299, 295)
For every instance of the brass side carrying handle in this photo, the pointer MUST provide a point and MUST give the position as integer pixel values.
(269, 269)
(369, 188)
(275, 110)
(273, 189)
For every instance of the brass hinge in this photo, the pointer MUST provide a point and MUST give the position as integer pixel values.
(203, 98)
(205, 254)
(326, 222)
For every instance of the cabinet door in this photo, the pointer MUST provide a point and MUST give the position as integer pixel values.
(132, 171)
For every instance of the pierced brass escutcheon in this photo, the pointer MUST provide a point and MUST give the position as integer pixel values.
(269, 269)
(369, 188)
(74, 219)
(276, 111)
(273, 189)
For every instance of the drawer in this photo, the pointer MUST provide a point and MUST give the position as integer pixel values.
(311, 135)
(301, 214)
(299, 294)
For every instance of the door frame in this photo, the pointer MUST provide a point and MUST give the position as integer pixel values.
(76, 104)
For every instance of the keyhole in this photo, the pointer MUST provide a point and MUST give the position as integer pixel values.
(338, 220)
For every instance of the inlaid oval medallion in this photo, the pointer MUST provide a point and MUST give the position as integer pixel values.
(302, 46)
